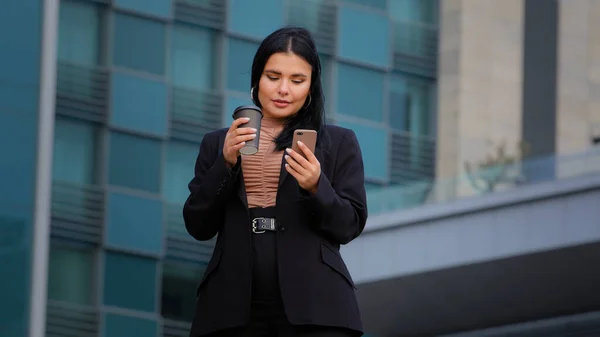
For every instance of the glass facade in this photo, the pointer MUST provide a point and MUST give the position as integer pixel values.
(19, 100)
(139, 82)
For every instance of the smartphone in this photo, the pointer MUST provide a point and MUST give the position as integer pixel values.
(308, 137)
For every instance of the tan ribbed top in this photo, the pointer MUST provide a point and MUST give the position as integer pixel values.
(261, 170)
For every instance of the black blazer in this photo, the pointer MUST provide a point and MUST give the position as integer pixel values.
(316, 286)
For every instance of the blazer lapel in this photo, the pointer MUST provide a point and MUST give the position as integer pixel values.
(283, 173)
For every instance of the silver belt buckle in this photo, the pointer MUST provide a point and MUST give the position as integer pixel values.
(254, 228)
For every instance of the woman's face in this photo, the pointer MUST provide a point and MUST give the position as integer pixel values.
(284, 85)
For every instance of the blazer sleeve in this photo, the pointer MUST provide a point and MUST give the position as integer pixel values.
(342, 204)
(213, 181)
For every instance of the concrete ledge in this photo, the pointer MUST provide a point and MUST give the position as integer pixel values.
(472, 204)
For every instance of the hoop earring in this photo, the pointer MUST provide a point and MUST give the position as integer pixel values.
(252, 94)
(309, 101)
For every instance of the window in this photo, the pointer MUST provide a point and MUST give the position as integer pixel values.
(119, 325)
(179, 284)
(306, 14)
(130, 282)
(248, 17)
(411, 106)
(193, 71)
(374, 147)
(318, 16)
(79, 52)
(71, 274)
(134, 223)
(193, 61)
(412, 117)
(415, 31)
(134, 162)
(19, 94)
(239, 64)
(364, 36)
(179, 170)
(77, 164)
(80, 30)
(424, 11)
(139, 104)
(139, 44)
(77, 154)
(360, 92)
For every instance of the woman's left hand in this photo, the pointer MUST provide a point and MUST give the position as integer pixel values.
(306, 171)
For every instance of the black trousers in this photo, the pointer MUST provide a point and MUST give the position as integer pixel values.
(267, 318)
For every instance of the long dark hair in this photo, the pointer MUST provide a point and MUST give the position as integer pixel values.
(300, 42)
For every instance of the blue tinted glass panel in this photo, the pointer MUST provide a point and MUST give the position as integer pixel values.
(134, 162)
(415, 28)
(19, 82)
(15, 259)
(374, 145)
(79, 33)
(379, 4)
(193, 63)
(360, 92)
(411, 106)
(17, 178)
(130, 282)
(17, 169)
(76, 152)
(21, 51)
(139, 104)
(71, 275)
(232, 103)
(399, 105)
(255, 18)
(423, 11)
(16, 96)
(179, 170)
(118, 325)
(134, 223)
(20, 24)
(364, 36)
(239, 64)
(160, 8)
(139, 44)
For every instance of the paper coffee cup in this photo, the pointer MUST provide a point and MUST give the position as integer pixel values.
(255, 115)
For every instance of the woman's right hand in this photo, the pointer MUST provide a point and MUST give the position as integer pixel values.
(235, 139)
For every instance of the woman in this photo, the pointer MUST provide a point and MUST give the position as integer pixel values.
(289, 280)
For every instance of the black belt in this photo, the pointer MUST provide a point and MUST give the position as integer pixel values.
(263, 224)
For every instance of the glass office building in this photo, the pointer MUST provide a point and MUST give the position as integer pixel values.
(138, 83)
